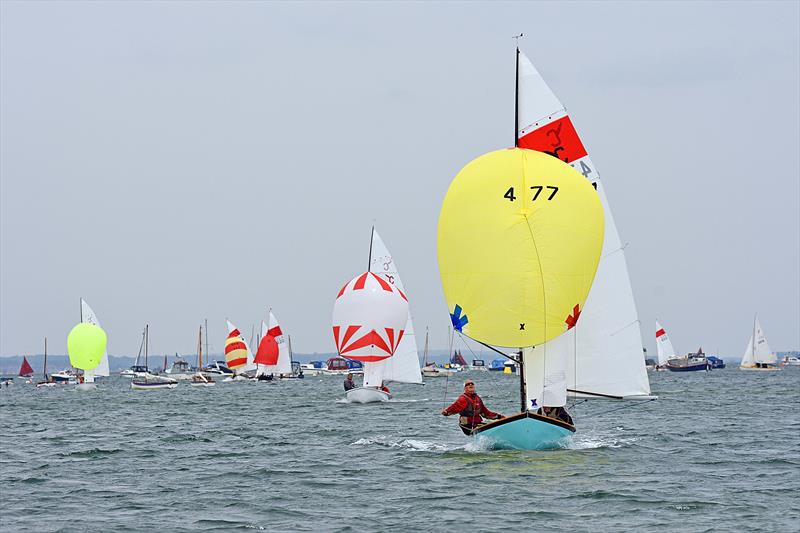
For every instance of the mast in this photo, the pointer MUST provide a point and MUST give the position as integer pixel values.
(146, 342)
(521, 369)
(44, 370)
(289, 339)
(755, 319)
(200, 349)
(425, 356)
(206, 328)
(369, 261)
(516, 101)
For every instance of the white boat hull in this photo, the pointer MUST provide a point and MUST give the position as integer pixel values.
(152, 386)
(367, 395)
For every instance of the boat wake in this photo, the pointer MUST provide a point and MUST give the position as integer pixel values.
(591, 442)
(414, 445)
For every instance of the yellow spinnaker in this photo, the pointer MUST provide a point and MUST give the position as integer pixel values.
(520, 236)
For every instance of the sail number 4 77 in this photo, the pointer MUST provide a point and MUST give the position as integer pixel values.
(537, 190)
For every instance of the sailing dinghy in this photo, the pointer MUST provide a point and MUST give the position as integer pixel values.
(600, 355)
(369, 319)
(664, 347)
(86, 344)
(238, 356)
(758, 355)
(102, 370)
(25, 369)
(403, 366)
(273, 358)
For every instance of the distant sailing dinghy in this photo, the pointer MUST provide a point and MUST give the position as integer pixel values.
(369, 319)
(238, 356)
(273, 358)
(25, 370)
(102, 370)
(664, 347)
(758, 355)
(86, 345)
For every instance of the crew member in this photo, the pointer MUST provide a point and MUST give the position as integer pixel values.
(470, 409)
(349, 383)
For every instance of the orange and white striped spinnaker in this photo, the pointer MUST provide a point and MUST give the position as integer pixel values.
(369, 317)
(237, 354)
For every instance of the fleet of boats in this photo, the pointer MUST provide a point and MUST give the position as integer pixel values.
(540, 278)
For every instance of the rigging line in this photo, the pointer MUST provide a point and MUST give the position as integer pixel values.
(493, 349)
(636, 404)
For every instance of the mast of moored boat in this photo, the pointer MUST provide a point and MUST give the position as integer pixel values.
(146, 342)
(425, 355)
(44, 370)
(200, 349)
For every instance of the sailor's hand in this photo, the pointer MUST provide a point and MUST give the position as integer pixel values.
(498, 417)
(445, 413)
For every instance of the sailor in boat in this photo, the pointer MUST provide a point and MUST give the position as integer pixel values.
(469, 406)
(349, 383)
(384, 388)
(559, 413)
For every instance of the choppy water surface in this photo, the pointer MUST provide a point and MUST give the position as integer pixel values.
(717, 452)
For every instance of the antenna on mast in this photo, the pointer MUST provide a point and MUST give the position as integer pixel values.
(516, 94)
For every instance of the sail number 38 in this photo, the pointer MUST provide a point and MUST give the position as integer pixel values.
(550, 192)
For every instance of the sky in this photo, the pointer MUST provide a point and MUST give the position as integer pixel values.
(172, 162)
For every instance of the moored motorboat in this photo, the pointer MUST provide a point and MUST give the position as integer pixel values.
(691, 362)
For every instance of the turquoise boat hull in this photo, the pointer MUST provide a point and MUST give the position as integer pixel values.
(524, 431)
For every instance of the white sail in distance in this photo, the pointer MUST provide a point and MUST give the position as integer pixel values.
(663, 345)
(605, 353)
(403, 366)
(758, 350)
(88, 316)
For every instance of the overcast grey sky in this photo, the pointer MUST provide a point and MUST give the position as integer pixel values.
(175, 161)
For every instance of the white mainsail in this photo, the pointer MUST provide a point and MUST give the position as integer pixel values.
(604, 354)
(664, 345)
(758, 351)
(403, 366)
(88, 316)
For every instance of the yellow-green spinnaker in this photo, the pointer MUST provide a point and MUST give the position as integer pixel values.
(519, 240)
(86, 345)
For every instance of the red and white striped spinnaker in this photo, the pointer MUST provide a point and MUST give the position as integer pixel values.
(369, 318)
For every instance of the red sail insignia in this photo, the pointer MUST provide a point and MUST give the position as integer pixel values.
(558, 138)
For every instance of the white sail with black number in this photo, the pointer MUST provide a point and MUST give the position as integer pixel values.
(403, 367)
(88, 316)
(664, 345)
(603, 352)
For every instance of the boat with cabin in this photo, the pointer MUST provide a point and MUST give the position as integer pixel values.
(145, 380)
(691, 362)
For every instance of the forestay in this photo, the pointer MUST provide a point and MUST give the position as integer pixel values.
(609, 356)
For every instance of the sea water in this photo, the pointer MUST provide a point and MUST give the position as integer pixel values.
(719, 451)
